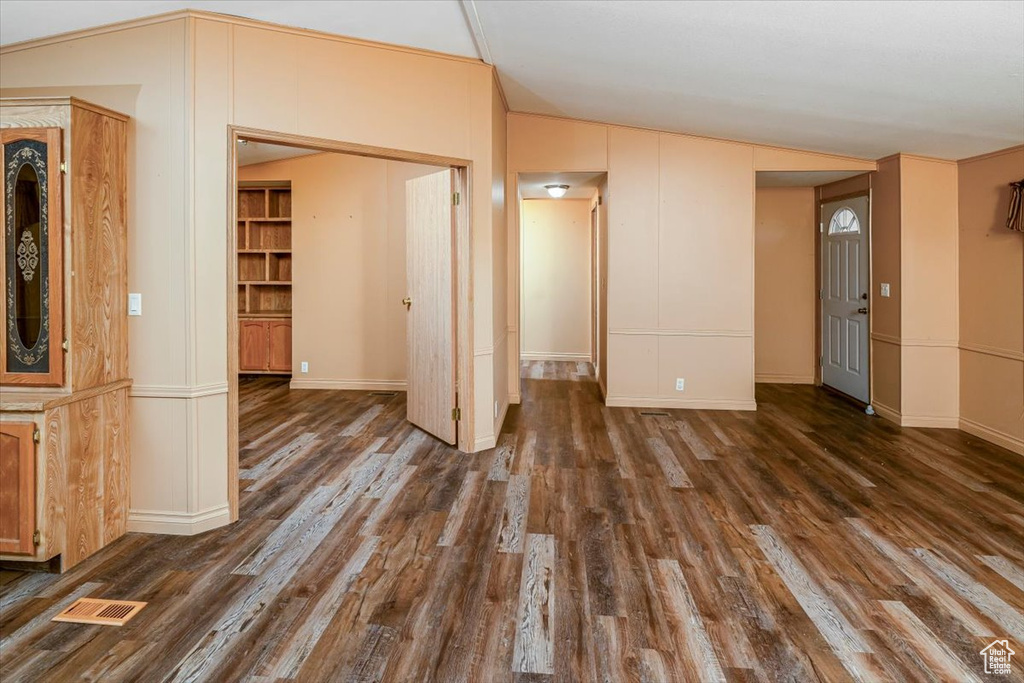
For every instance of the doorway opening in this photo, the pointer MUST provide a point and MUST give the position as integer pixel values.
(560, 275)
(348, 272)
(813, 281)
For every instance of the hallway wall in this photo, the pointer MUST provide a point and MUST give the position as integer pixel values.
(784, 290)
(991, 301)
(556, 279)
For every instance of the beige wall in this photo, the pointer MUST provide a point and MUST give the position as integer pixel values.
(991, 301)
(502, 361)
(602, 285)
(680, 221)
(929, 318)
(784, 285)
(555, 301)
(886, 363)
(348, 257)
(184, 79)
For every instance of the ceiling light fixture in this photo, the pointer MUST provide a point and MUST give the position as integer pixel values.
(556, 191)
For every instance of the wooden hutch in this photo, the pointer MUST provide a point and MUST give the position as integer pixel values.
(264, 278)
(64, 441)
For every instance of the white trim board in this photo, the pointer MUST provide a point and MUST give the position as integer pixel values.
(177, 391)
(350, 384)
(784, 379)
(178, 523)
(555, 356)
(680, 403)
(1007, 441)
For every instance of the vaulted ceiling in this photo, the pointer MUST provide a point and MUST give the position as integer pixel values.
(862, 78)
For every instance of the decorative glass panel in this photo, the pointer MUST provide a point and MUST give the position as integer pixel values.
(26, 236)
(844, 221)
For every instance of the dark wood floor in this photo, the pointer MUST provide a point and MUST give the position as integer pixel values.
(802, 542)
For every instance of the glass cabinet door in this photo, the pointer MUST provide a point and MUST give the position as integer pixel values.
(32, 240)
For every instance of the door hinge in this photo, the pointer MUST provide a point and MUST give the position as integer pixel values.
(35, 435)
(821, 361)
(64, 345)
(821, 294)
(35, 537)
(455, 199)
(456, 414)
(63, 167)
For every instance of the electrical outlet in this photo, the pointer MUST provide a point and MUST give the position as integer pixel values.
(495, 410)
(304, 366)
(680, 384)
(885, 289)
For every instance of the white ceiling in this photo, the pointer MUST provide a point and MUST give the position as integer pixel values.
(250, 153)
(864, 78)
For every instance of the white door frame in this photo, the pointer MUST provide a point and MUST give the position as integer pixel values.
(819, 313)
(462, 266)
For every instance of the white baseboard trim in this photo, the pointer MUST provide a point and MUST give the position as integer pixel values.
(930, 421)
(555, 356)
(178, 523)
(176, 391)
(1007, 441)
(500, 421)
(886, 412)
(784, 379)
(515, 399)
(350, 384)
(680, 403)
(484, 443)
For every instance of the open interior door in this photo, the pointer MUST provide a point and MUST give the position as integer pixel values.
(430, 258)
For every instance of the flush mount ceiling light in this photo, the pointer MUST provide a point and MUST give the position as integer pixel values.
(556, 191)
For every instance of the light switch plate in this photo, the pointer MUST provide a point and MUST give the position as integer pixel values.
(304, 366)
(680, 384)
(134, 303)
(885, 289)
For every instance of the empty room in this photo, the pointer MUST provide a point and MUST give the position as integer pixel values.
(494, 340)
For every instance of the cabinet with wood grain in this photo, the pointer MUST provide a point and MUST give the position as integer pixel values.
(264, 274)
(64, 423)
(265, 346)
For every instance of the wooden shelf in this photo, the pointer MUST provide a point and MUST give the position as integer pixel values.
(264, 255)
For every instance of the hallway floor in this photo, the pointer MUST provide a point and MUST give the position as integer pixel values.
(802, 542)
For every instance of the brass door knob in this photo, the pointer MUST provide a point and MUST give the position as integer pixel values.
(407, 302)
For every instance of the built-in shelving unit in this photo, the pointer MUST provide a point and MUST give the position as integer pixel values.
(264, 277)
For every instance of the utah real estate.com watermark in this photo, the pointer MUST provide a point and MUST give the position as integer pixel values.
(997, 657)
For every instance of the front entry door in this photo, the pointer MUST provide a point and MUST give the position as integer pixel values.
(430, 255)
(844, 302)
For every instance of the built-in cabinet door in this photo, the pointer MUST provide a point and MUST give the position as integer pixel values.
(31, 239)
(280, 338)
(252, 346)
(17, 487)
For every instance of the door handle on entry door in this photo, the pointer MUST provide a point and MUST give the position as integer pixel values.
(863, 311)
(407, 302)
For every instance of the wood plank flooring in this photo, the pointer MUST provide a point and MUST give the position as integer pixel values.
(802, 542)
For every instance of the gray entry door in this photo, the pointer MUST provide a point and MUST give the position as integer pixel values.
(844, 301)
